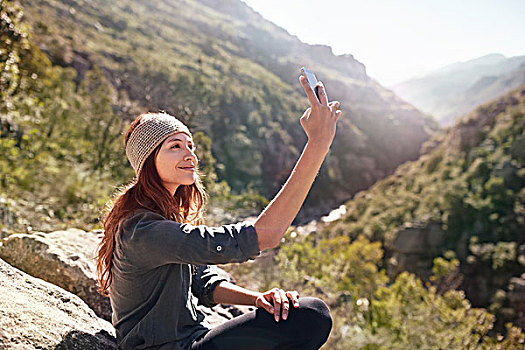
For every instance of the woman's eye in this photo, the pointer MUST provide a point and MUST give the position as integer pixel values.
(193, 148)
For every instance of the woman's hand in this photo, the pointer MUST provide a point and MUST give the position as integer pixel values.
(319, 124)
(319, 121)
(276, 302)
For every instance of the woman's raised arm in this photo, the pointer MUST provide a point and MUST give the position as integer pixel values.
(319, 123)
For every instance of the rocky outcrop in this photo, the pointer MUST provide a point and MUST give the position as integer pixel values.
(413, 248)
(35, 314)
(221, 313)
(64, 258)
(67, 259)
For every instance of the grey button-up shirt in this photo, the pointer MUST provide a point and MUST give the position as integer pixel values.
(161, 270)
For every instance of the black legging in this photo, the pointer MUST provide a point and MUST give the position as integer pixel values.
(307, 327)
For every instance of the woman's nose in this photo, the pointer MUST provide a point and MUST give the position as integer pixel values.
(191, 156)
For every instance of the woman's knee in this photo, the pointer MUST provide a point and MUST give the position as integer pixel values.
(315, 320)
(317, 312)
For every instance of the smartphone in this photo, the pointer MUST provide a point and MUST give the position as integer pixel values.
(312, 80)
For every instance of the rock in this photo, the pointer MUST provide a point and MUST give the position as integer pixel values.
(418, 239)
(64, 258)
(35, 314)
(67, 259)
(221, 313)
(413, 248)
(468, 131)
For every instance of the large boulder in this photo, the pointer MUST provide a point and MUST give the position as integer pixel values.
(35, 314)
(64, 258)
(67, 259)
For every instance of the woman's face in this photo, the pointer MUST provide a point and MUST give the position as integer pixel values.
(176, 161)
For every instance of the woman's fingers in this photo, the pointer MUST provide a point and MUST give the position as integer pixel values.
(277, 301)
(281, 304)
(309, 91)
(335, 112)
(265, 304)
(285, 304)
(323, 97)
(334, 105)
(294, 296)
(305, 116)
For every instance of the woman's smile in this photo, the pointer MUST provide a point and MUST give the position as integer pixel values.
(188, 168)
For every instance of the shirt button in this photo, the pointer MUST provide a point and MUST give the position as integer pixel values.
(219, 248)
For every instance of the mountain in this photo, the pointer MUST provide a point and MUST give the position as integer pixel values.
(233, 75)
(458, 88)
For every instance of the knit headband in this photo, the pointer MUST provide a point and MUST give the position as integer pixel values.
(152, 130)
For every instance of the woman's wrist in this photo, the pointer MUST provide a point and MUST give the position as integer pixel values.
(229, 293)
(257, 298)
(319, 145)
(275, 219)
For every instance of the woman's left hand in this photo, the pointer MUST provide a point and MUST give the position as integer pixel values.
(276, 302)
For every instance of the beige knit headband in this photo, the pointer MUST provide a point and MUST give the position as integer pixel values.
(152, 130)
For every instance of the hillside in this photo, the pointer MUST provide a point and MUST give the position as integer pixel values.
(233, 75)
(454, 90)
(464, 198)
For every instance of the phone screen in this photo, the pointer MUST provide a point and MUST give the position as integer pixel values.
(312, 80)
(310, 76)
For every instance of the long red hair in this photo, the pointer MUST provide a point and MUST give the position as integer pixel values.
(146, 192)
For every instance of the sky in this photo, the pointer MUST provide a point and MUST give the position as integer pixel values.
(401, 39)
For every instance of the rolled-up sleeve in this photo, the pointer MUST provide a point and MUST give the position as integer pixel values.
(154, 240)
(205, 279)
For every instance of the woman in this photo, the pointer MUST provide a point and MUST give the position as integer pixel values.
(155, 260)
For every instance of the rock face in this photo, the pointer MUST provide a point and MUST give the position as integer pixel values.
(35, 314)
(64, 258)
(67, 259)
(414, 247)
